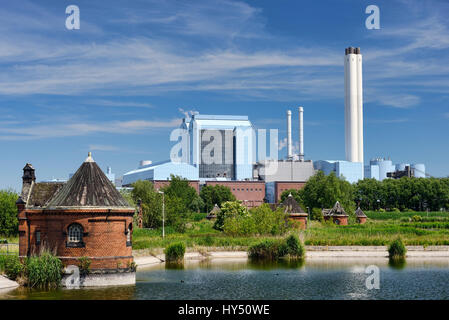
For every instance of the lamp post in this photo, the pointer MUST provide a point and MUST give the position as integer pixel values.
(163, 213)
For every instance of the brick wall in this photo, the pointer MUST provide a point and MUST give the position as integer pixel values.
(282, 186)
(251, 193)
(105, 236)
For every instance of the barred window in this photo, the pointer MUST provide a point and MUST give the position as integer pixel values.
(75, 234)
(38, 237)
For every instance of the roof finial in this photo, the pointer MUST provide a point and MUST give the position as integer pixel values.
(89, 157)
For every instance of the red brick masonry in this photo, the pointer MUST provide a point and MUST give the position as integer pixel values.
(104, 235)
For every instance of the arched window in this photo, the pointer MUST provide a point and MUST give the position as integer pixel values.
(75, 234)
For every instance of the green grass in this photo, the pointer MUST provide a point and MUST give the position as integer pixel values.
(381, 229)
(375, 215)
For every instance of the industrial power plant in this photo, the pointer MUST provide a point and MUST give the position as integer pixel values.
(221, 149)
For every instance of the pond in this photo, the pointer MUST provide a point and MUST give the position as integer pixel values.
(240, 279)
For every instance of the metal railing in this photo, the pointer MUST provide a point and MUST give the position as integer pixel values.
(9, 248)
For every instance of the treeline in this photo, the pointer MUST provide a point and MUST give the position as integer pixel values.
(9, 224)
(418, 194)
(404, 194)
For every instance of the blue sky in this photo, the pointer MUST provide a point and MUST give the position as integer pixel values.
(121, 83)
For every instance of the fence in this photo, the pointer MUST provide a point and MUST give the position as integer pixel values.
(9, 248)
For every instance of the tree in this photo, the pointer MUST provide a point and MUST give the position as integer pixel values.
(9, 223)
(322, 191)
(229, 209)
(181, 189)
(151, 203)
(216, 194)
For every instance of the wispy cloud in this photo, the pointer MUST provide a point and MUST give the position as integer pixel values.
(114, 103)
(100, 147)
(34, 132)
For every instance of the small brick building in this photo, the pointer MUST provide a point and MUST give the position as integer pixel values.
(337, 214)
(294, 211)
(360, 216)
(86, 216)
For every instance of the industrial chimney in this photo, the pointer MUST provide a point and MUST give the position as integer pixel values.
(289, 135)
(353, 105)
(301, 134)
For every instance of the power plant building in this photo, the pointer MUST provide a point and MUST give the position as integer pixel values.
(381, 168)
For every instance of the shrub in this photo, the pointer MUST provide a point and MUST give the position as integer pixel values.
(13, 267)
(132, 266)
(416, 218)
(199, 216)
(44, 271)
(268, 249)
(175, 252)
(316, 214)
(295, 248)
(84, 265)
(397, 249)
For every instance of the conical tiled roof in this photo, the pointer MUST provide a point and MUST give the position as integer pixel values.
(291, 206)
(88, 187)
(337, 210)
(359, 213)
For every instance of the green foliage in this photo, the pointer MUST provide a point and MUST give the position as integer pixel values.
(322, 191)
(296, 194)
(199, 216)
(12, 266)
(274, 249)
(151, 203)
(316, 214)
(175, 252)
(414, 193)
(258, 221)
(295, 248)
(44, 271)
(416, 218)
(397, 249)
(269, 249)
(9, 224)
(128, 196)
(217, 194)
(84, 265)
(180, 189)
(229, 209)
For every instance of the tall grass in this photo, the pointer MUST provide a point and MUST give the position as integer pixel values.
(275, 249)
(174, 253)
(44, 271)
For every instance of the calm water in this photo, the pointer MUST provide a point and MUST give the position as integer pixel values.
(317, 279)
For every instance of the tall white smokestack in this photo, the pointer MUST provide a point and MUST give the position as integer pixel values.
(353, 105)
(289, 135)
(301, 134)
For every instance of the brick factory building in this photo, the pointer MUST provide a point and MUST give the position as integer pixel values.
(85, 217)
(275, 189)
(251, 193)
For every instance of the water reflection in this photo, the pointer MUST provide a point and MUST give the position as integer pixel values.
(243, 279)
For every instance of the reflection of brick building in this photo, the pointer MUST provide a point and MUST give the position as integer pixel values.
(86, 216)
(251, 193)
(158, 184)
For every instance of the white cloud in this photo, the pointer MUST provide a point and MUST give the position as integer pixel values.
(42, 131)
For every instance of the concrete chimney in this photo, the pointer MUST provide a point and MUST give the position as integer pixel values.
(289, 135)
(353, 105)
(301, 134)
